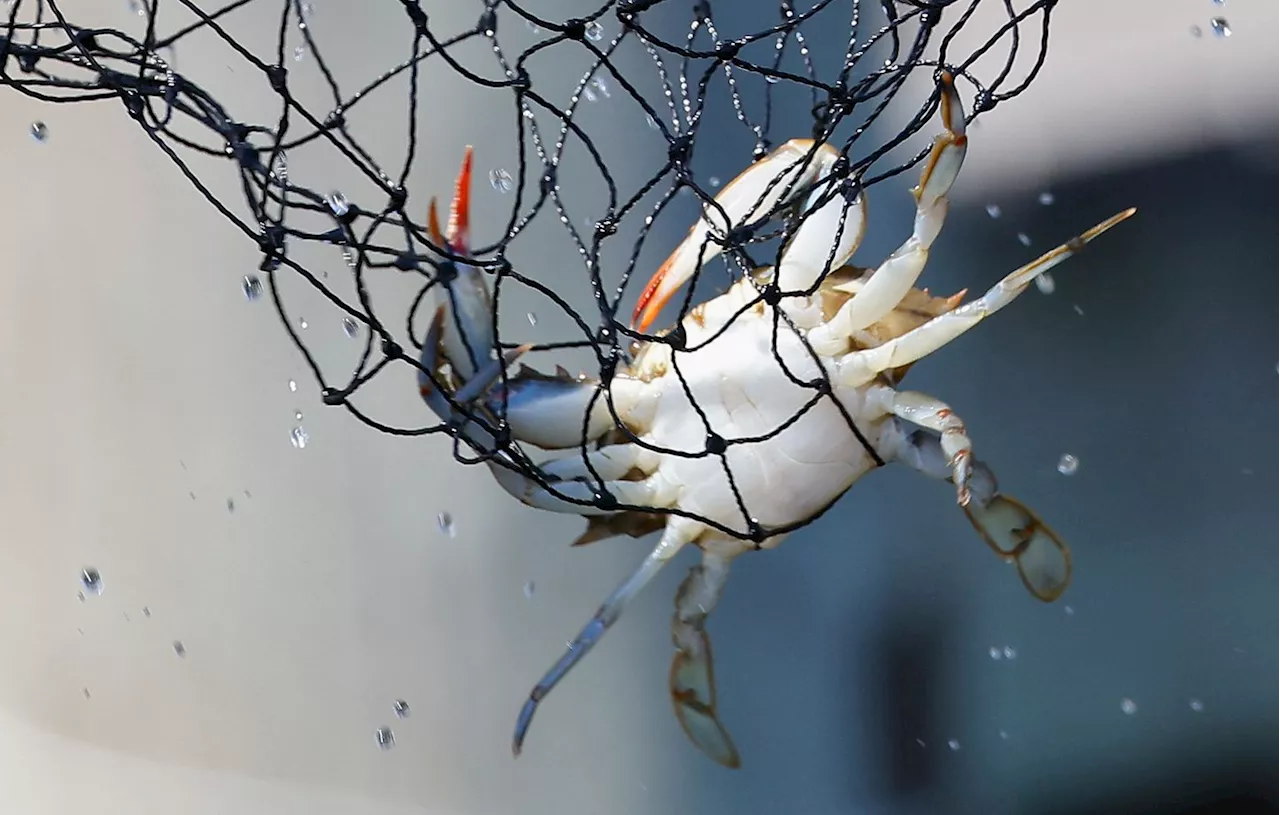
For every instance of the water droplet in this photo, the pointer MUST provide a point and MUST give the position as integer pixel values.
(993, 210)
(1004, 734)
(1069, 611)
(529, 589)
(445, 521)
(146, 611)
(137, 8)
(85, 691)
(384, 738)
(1128, 706)
(1195, 31)
(1044, 282)
(532, 318)
(1024, 239)
(1220, 27)
(1010, 652)
(715, 181)
(337, 203)
(1219, 2)
(39, 131)
(350, 327)
(995, 653)
(308, 9)
(80, 596)
(350, 257)
(501, 180)
(280, 169)
(299, 52)
(298, 437)
(532, 26)
(772, 80)
(231, 505)
(297, 415)
(1068, 464)
(601, 86)
(401, 708)
(594, 31)
(293, 386)
(589, 94)
(1076, 308)
(651, 122)
(252, 287)
(1197, 706)
(1046, 199)
(954, 744)
(179, 648)
(302, 323)
(91, 580)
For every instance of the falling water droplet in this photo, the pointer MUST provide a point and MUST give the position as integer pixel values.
(384, 738)
(337, 203)
(1196, 31)
(297, 415)
(1068, 464)
(445, 522)
(995, 653)
(1219, 2)
(1220, 27)
(252, 287)
(1024, 239)
(1044, 282)
(533, 318)
(350, 327)
(993, 210)
(91, 580)
(1197, 706)
(1046, 199)
(651, 122)
(85, 691)
(954, 744)
(715, 181)
(588, 94)
(299, 52)
(293, 386)
(1069, 611)
(179, 648)
(532, 26)
(308, 9)
(231, 505)
(601, 86)
(501, 180)
(401, 708)
(1010, 652)
(39, 131)
(302, 323)
(529, 589)
(594, 31)
(80, 596)
(1128, 706)
(1004, 734)
(146, 611)
(298, 437)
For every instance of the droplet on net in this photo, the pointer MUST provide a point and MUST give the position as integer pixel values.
(1128, 706)
(337, 203)
(384, 738)
(91, 580)
(1220, 27)
(39, 131)
(252, 287)
(501, 180)
(299, 52)
(1068, 464)
(302, 323)
(401, 708)
(594, 31)
(298, 437)
(445, 522)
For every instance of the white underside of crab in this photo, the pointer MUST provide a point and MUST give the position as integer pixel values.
(711, 427)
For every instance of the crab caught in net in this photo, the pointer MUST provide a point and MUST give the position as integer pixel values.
(764, 402)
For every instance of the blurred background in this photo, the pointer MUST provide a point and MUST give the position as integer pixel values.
(262, 604)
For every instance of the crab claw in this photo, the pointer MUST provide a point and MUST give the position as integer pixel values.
(787, 175)
(468, 345)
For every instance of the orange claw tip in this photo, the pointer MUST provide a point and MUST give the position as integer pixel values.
(651, 302)
(460, 209)
(433, 223)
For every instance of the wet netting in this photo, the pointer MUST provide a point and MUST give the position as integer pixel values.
(707, 84)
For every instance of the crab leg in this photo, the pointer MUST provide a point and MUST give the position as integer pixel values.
(1004, 523)
(927, 411)
(693, 685)
(859, 367)
(782, 176)
(886, 287)
(677, 533)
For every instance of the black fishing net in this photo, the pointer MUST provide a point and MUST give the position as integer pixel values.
(765, 73)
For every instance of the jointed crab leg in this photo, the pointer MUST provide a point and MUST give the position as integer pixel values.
(927, 411)
(677, 533)
(860, 367)
(886, 287)
(693, 686)
(1004, 523)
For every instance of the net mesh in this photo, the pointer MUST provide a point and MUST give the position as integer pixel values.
(830, 70)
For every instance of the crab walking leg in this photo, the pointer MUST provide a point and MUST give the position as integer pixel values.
(899, 272)
(1004, 523)
(859, 367)
(677, 533)
(612, 463)
(927, 411)
(647, 493)
(693, 683)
